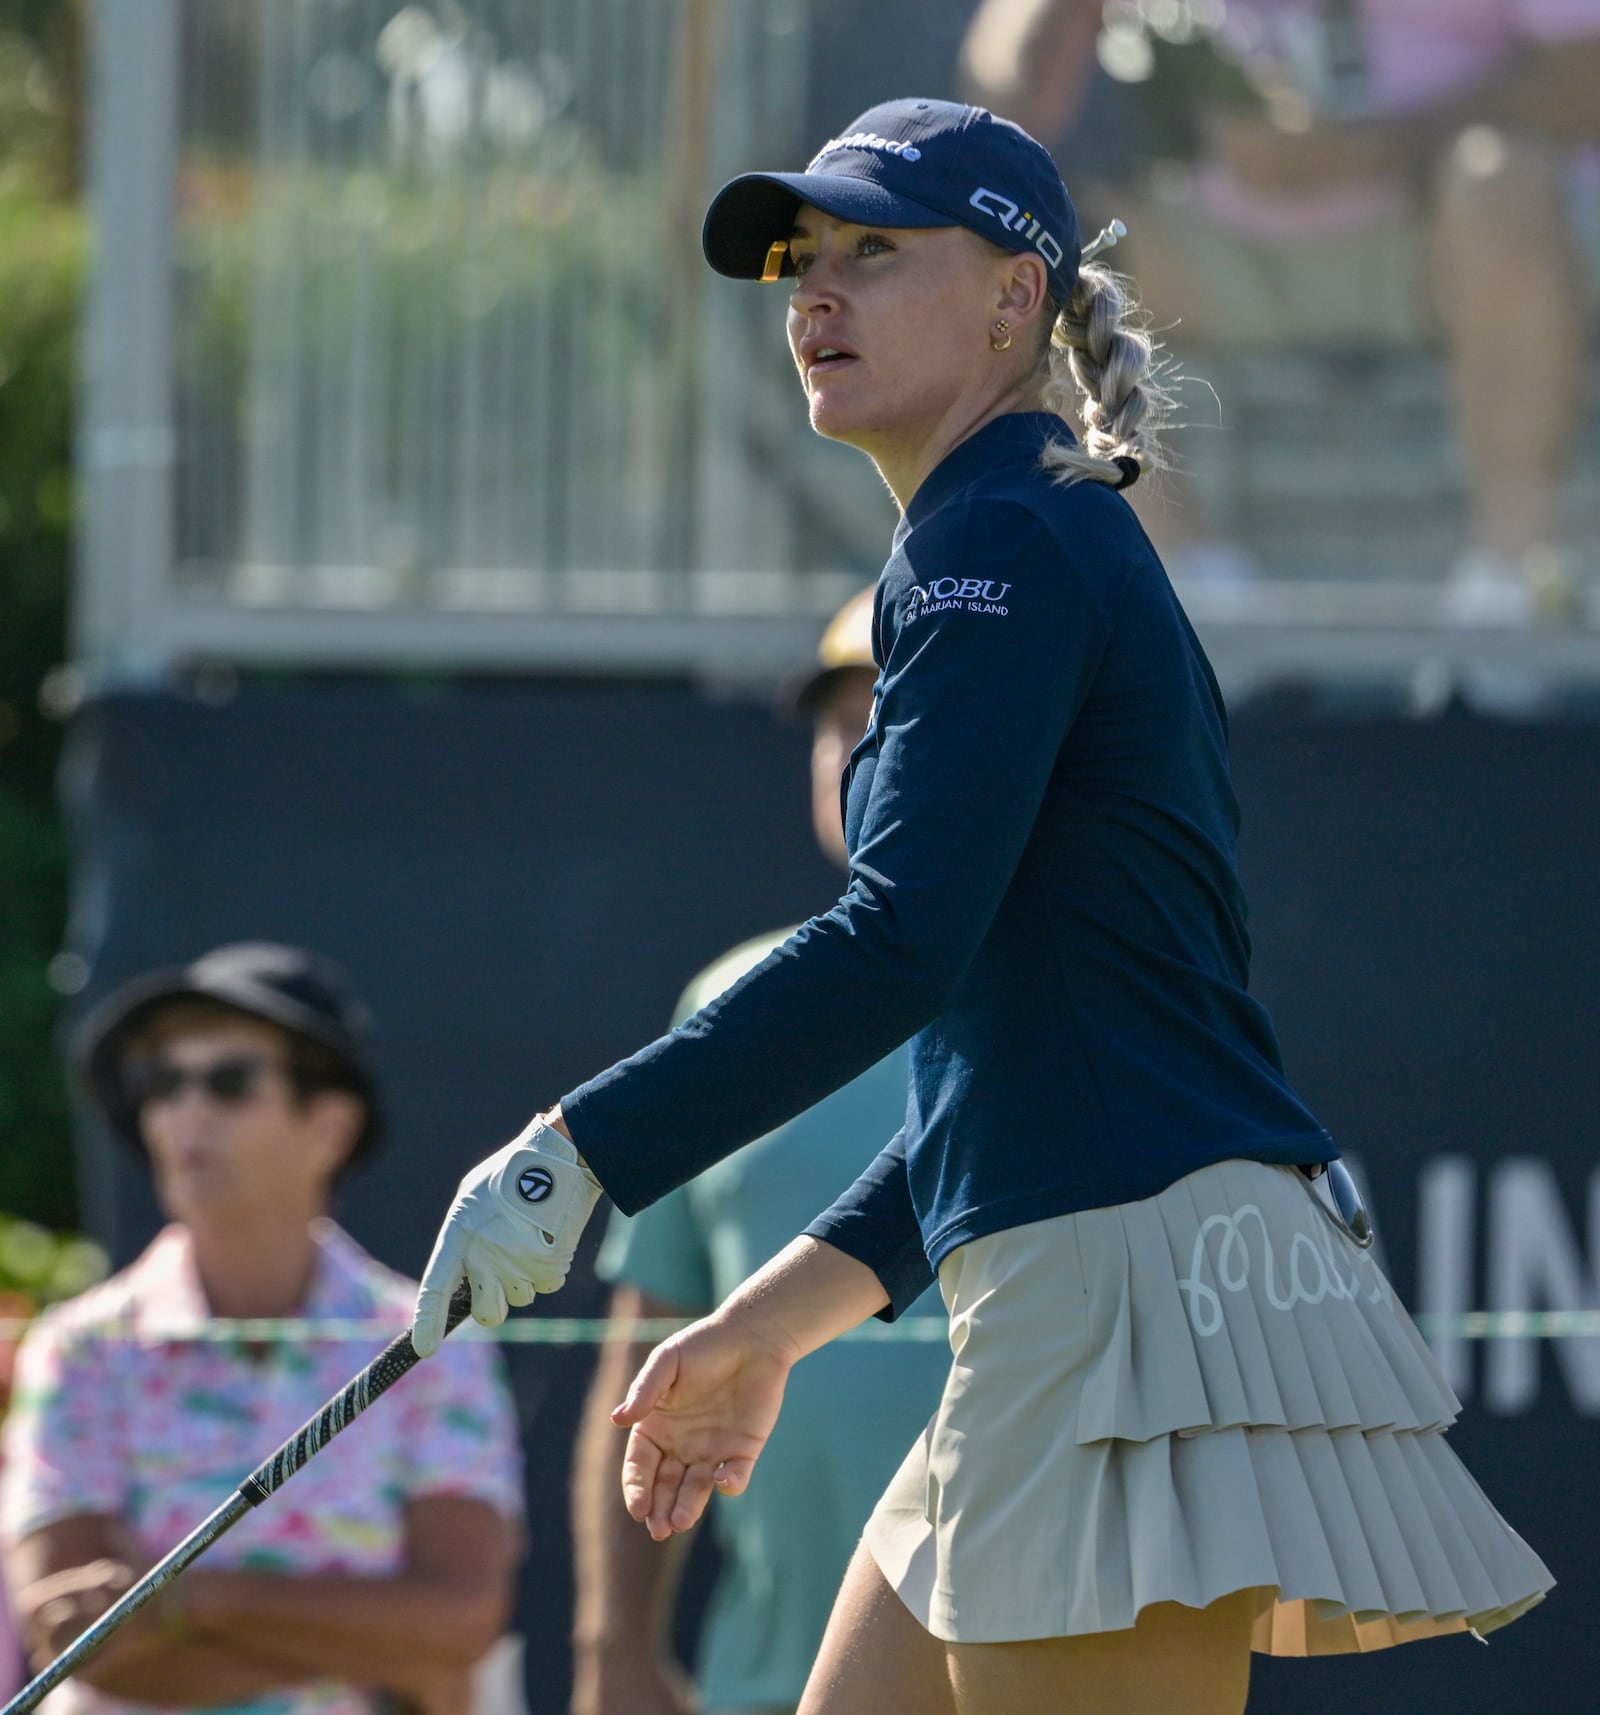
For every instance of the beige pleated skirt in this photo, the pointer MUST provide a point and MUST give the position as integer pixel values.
(1211, 1390)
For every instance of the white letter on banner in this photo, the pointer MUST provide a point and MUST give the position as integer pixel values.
(1535, 1264)
(1446, 1229)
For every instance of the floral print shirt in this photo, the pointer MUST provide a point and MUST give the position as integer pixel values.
(121, 1407)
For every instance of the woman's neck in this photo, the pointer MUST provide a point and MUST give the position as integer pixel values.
(905, 469)
(263, 1268)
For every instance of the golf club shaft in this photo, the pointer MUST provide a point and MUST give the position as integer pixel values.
(346, 1405)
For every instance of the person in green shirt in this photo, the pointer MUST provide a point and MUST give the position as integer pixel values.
(849, 1413)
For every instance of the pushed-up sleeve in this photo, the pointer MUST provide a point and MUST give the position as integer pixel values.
(976, 696)
(876, 1223)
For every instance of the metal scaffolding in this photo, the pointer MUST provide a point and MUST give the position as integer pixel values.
(401, 353)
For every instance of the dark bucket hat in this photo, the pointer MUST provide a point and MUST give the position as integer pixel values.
(299, 991)
(906, 163)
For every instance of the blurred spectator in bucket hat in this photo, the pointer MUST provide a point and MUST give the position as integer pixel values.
(247, 1081)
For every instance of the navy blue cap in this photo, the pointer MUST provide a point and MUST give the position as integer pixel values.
(907, 163)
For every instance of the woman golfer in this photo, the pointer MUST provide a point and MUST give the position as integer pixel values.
(1186, 1416)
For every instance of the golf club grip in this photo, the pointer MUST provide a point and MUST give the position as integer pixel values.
(377, 1378)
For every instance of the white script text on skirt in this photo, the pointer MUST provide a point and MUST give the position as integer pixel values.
(1210, 1390)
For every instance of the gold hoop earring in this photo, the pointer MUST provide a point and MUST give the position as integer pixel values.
(1001, 327)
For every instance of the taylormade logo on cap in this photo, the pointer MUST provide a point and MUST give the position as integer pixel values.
(907, 163)
(868, 140)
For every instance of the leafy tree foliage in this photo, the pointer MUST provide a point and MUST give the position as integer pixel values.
(41, 263)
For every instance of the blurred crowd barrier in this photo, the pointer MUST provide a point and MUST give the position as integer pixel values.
(520, 874)
(442, 332)
(402, 348)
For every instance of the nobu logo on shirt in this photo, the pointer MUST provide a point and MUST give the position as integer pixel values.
(974, 595)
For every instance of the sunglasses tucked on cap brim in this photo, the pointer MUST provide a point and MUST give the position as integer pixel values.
(752, 214)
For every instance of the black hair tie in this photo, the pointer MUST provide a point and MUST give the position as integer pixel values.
(1130, 469)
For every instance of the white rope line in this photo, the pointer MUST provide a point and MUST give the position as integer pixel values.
(519, 1331)
(595, 1330)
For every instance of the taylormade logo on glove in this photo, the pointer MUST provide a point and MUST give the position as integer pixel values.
(510, 1233)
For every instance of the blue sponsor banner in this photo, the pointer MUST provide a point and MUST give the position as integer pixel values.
(521, 878)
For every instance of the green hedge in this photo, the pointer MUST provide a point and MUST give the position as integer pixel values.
(41, 269)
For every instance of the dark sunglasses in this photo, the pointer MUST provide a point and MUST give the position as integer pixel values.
(231, 1082)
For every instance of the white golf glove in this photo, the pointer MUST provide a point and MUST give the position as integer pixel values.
(510, 1233)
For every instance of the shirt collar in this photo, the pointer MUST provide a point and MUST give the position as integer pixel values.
(171, 1305)
(1014, 439)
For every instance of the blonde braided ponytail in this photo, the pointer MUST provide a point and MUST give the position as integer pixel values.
(1103, 369)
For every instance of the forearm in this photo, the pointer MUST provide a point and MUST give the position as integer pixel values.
(396, 1633)
(807, 1295)
(65, 1576)
(189, 1675)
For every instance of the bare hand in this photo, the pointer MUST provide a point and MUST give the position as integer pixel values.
(699, 1413)
(61, 1607)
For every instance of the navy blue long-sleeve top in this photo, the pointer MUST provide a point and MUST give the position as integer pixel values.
(1043, 896)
